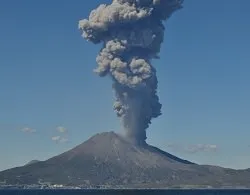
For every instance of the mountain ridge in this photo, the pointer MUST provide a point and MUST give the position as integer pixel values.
(109, 159)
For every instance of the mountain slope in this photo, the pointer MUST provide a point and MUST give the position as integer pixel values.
(32, 162)
(108, 159)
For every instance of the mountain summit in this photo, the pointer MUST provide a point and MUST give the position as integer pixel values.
(109, 159)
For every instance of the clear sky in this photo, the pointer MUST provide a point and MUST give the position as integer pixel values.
(51, 100)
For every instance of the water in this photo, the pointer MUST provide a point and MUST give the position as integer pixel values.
(124, 192)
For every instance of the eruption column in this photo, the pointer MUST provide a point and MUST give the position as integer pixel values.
(131, 32)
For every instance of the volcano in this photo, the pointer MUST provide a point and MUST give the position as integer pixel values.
(109, 159)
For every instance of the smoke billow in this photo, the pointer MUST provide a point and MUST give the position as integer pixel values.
(131, 32)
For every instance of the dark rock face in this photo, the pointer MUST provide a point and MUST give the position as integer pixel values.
(109, 159)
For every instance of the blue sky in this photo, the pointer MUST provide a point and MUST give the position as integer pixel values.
(51, 100)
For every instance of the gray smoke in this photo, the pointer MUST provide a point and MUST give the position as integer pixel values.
(131, 32)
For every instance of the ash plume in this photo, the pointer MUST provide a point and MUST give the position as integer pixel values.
(131, 32)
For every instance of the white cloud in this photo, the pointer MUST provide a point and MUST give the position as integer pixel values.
(63, 140)
(61, 129)
(59, 139)
(28, 130)
(62, 137)
(201, 148)
(56, 138)
(194, 148)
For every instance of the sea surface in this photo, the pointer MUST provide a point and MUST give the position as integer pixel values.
(124, 192)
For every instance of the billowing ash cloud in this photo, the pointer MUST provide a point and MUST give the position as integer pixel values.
(131, 32)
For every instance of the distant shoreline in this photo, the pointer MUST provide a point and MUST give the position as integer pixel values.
(125, 189)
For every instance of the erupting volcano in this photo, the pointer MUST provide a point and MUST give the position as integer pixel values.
(131, 32)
